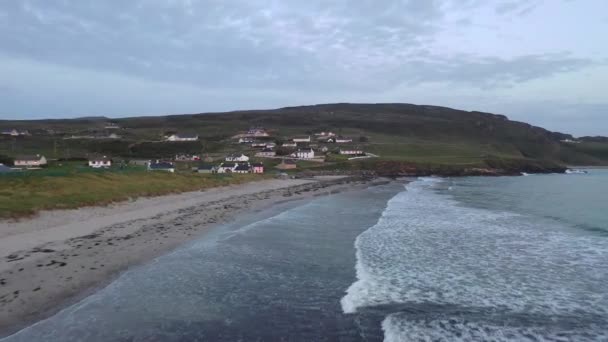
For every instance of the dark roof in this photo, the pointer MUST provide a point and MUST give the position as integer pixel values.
(228, 164)
(242, 167)
(187, 136)
(28, 157)
(4, 169)
(161, 165)
(267, 150)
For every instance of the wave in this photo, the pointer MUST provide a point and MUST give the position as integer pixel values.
(428, 248)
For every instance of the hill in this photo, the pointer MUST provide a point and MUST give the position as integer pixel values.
(422, 136)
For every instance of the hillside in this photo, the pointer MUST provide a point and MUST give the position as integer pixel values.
(419, 135)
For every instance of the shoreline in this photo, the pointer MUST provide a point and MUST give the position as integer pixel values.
(60, 257)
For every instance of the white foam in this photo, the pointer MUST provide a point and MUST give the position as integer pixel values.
(426, 247)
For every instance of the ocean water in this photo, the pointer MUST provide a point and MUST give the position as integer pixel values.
(468, 259)
(489, 259)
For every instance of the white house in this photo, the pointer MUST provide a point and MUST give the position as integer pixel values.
(226, 167)
(306, 153)
(258, 144)
(301, 139)
(182, 137)
(267, 152)
(325, 134)
(246, 140)
(290, 144)
(30, 161)
(257, 132)
(237, 157)
(343, 140)
(242, 168)
(100, 162)
(352, 152)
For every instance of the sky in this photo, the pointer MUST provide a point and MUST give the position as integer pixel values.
(540, 61)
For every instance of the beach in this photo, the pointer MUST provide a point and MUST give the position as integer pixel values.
(60, 257)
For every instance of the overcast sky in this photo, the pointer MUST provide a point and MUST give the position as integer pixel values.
(540, 61)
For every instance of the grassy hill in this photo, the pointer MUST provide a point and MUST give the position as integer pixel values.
(428, 136)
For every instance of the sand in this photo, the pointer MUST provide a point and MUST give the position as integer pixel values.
(59, 257)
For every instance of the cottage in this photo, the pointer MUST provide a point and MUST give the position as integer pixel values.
(30, 161)
(303, 139)
(290, 144)
(257, 132)
(267, 152)
(343, 140)
(257, 168)
(182, 137)
(237, 157)
(226, 167)
(206, 168)
(161, 166)
(246, 140)
(305, 153)
(98, 162)
(258, 144)
(353, 152)
(242, 168)
(287, 164)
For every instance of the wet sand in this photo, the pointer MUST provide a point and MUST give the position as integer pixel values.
(59, 257)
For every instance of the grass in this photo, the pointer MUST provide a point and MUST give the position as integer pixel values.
(25, 195)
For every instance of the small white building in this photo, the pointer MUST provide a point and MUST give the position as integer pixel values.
(305, 153)
(246, 140)
(242, 168)
(257, 132)
(305, 139)
(226, 167)
(267, 152)
(290, 144)
(343, 140)
(182, 137)
(99, 162)
(237, 157)
(30, 161)
(325, 134)
(352, 152)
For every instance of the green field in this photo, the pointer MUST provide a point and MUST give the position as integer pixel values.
(23, 194)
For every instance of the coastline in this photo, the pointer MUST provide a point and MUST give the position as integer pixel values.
(60, 257)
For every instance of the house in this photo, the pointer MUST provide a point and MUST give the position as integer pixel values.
(325, 134)
(267, 152)
(237, 157)
(98, 162)
(286, 164)
(246, 140)
(258, 144)
(161, 166)
(14, 132)
(257, 168)
(30, 161)
(290, 144)
(343, 140)
(257, 132)
(351, 152)
(206, 168)
(226, 167)
(111, 125)
(242, 168)
(304, 153)
(187, 157)
(182, 137)
(303, 139)
(271, 145)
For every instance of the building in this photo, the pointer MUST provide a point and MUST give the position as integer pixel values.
(242, 168)
(98, 162)
(352, 152)
(303, 139)
(267, 152)
(206, 168)
(187, 157)
(257, 132)
(111, 125)
(287, 164)
(257, 168)
(325, 134)
(304, 153)
(258, 144)
(161, 166)
(289, 144)
(14, 132)
(226, 167)
(343, 140)
(246, 140)
(30, 161)
(237, 157)
(182, 137)
(271, 145)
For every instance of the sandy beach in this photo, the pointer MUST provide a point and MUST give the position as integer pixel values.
(58, 257)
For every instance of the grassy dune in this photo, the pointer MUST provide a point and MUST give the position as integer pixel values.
(25, 195)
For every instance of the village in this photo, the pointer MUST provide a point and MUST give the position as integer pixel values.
(255, 151)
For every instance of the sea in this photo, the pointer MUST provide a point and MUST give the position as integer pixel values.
(456, 259)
